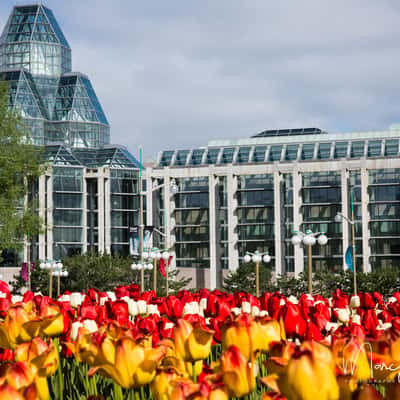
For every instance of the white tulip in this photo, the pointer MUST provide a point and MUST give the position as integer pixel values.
(282, 302)
(356, 319)
(111, 296)
(383, 326)
(142, 306)
(133, 308)
(3, 295)
(65, 297)
(16, 298)
(246, 307)
(203, 303)
(343, 315)
(255, 311)
(292, 299)
(76, 299)
(103, 300)
(392, 299)
(125, 298)
(169, 325)
(152, 309)
(74, 330)
(263, 313)
(236, 310)
(90, 325)
(331, 327)
(355, 302)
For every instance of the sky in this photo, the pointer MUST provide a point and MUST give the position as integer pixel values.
(175, 74)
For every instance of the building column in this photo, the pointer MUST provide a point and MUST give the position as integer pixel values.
(278, 207)
(49, 211)
(233, 253)
(149, 203)
(297, 221)
(85, 210)
(214, 242)
(169, 207)
(364, 222)
(107, 212)
(345, 213)
(101, 213)
(42, 214)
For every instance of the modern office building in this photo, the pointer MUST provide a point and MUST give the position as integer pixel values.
(253, 193)
(88, 195)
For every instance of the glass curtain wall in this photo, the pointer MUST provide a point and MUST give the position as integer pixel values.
(124, 208)
(192, 223)
(67, 211)
(256, 214)
(287, 209)
(322, 199)
(384, 209)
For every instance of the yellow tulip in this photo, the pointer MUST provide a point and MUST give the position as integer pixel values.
(41, 354)
(52, 320)
(309, 378)
(238, 374)
(251, 335)
(351, 358)
(7, 392)
(192, 343)
(133, 365)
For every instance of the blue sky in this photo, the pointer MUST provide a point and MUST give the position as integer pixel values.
(175, 74)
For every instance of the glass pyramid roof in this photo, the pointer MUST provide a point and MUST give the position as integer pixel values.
(33, 23)
(77, 101)
(112, 157)
(60, 155)
(23, 94)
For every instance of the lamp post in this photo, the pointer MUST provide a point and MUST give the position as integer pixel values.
(339, 217)
(50, 265)
(256, 258)
(59, 272)
(309, 239)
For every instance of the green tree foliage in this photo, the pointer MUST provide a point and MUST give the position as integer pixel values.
(244, 279)
(92, 270)
(19, 169)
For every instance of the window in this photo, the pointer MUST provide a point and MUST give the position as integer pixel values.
(212, 155)
(243, 155)
(392, 147)
(181, 157)
(324, 151)
(307, 151)
(374, 148)
(357, 149)
(227, 155)
(275, 153)
(259, 153)
(341, 149)
(291, 152)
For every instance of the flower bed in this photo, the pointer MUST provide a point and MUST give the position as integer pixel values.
(207, 345)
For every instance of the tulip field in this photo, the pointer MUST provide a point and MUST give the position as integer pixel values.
(214, 345)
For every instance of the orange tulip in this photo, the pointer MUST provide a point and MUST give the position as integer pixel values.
(160, 387)
(251, 335)
(182, 389)
(7, 392)
(52, 320)
(192, 343)
(129, 364)
(238, 374)
(19, 326)
(41, 354)
(351, 358)
(23, 378)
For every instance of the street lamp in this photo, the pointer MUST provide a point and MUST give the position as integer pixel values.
(339, 217)
(309, 239)
(59, 273)
(51, 265)
(256, 258)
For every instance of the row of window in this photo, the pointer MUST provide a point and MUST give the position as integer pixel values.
(280, 152)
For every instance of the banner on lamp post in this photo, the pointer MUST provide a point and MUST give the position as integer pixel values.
(134, 240)
(349, 258)
(148, 233)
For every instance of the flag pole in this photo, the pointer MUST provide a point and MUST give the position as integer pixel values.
(353, 243)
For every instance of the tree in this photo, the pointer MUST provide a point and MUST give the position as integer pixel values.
(19, 169)
(92, 270)
(244, 279)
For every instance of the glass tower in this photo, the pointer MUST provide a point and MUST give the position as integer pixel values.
(56, 103)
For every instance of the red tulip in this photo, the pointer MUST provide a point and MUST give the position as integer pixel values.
(295, 325)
